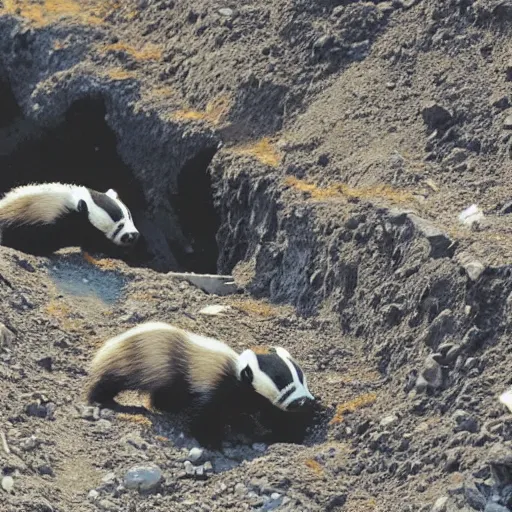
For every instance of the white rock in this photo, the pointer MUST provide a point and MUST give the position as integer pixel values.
(195, 454)
(143, 478)
(384, 422)
(471, 215)
(7, 483)
(506, 399)
(215, 309)
(93, 495)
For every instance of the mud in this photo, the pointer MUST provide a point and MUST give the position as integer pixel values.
(331, 147)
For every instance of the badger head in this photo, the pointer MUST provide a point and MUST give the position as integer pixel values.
(277, 377)
(106, 212)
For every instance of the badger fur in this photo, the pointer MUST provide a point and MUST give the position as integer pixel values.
(41, 218)
(181, 369)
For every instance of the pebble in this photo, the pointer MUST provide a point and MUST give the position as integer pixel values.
(195, 454)
(435, 115)
(259, 447)
(240, 489)
(7, 483)
(215, 310)
(507, 124)
(29, 443)
(226, 11)
(93, 495)
(388, 420)
(495, 507)
(143, 478)
(6, 336)
(189, 468)
(88, 412)
(440, 505)
(108, 506)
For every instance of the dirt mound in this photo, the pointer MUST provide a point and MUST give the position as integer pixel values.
(321, 152)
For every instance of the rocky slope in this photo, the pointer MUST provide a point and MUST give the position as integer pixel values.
(329, 148)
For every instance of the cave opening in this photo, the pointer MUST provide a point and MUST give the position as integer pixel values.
(82, 149)
(197, 215)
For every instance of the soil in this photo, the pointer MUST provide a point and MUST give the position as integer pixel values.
(330, 147)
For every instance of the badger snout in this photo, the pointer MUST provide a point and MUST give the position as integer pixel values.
(130, 238)
(302, 404)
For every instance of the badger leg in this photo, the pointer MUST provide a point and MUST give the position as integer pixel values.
(170, 398)
(104, 390)
(207, 421)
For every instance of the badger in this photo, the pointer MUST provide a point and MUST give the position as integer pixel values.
(182, 370)
(42, 218)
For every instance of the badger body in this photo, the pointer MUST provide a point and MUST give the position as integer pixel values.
(42, 218)
(180, 369)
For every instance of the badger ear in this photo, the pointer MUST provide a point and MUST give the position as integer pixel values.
(112, 193)
(82, 207)
(246, 375)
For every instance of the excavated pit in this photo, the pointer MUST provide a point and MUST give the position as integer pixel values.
(82, 149)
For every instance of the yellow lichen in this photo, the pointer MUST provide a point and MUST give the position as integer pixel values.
(258, 307)
(147, 52)
(352, 406)
(45, 12)
(342, 190)
(262, 150)
(216, 111)
(138, 419)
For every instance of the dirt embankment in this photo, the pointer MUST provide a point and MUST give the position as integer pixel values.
(328, 149)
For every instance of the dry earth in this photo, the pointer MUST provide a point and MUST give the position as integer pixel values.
(321, 152)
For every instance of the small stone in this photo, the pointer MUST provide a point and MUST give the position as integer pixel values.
(507, 124)
(474, 497)
(90, 413)
(259, 447)
(143, 478)
(431, 374)
(495, 507)
(46, 363)
(36, 409)
(189, 468)
(108, 506)
(435, 116)
(226, 11)
(195, 454)
(471, 362)
(29, 443)
(93, 495)
(6, 336)
(7, 483)
(323, 42)
(323, 160)
(240, 489)
(388, 420)
(208, 467)
(109, 478)
(390, 85)
(215, 310)
(45, 470)
(440, 243)
(440, 505)
(275, 496)
(500, 102)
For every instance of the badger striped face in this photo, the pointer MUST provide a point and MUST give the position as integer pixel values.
(110, 215)
(277, 377)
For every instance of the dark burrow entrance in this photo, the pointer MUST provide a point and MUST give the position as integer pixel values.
(81, 149)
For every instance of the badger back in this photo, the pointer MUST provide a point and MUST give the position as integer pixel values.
(153, 355)
(35, 204)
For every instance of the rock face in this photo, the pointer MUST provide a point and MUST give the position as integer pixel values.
(318, 153)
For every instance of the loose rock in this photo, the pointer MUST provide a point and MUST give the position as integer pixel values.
(7, 483)
(143, 478)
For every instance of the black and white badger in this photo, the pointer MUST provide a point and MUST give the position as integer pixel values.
(42, 218)
(182, 369)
